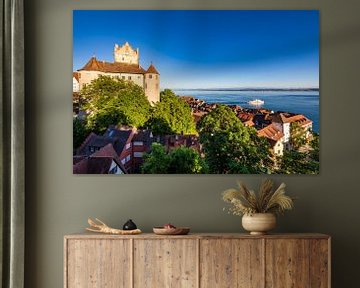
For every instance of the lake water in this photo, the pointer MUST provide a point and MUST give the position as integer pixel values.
(302, 102)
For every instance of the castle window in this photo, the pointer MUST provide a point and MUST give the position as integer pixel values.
(145, 85)
(129, 77)
(123, 77)
(150, 76)
(157, 76)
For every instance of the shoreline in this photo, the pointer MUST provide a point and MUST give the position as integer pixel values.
(308, 102)
(250, 89)
(200, 107)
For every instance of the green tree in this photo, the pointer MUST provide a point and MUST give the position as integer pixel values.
(297, 135)
(295, 162)
(156, 161)
(229, 146)
(314, 154)
(181, 160)
(185, 160)
(79, 132)
(113, 101)
(171, 116)
(159, 126)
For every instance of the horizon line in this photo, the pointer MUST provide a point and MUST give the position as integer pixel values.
(243, 88)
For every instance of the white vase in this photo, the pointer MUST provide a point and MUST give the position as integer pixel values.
(259, 223)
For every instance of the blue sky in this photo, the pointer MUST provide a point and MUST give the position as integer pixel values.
(208, 49)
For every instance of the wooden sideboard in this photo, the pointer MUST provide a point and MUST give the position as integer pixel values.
(197, 260)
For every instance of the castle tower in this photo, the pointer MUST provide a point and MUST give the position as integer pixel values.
(126, 54)
(152, 84)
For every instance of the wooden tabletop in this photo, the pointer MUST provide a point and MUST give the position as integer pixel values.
(89, 235)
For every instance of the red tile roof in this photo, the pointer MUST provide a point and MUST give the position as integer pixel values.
(86, 141)
(109, 151)
(77, 159)
(93, 165)
(95, 65)
(270, 132)
(152, 69)
(244, 117)
(99, 162)
(289, 118)
(116, 137)
(106, 151)
(187, 98)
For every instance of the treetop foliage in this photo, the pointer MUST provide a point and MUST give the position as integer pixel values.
(229, 146)
(171, 116)
(181, 160)
(113, 101)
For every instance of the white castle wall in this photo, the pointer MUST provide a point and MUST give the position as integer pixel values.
(85, 77)
(152, 87)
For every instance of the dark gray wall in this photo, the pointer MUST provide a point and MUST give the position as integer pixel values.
(59, 203)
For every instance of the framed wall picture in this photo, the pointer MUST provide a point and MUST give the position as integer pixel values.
(196, 92)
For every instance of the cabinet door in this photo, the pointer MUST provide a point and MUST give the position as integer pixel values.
(287, 263)
(165, 263)
(320, 263)
(98, 263)
(231, 263)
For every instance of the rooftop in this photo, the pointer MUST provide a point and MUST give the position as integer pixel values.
(116, 137)
(99, 162)
(284, 117)
(271, 132)
(108, 67)
(152, 69)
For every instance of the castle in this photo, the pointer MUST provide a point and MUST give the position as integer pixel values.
(125, 66)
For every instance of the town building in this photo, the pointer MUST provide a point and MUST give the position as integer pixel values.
(275, 138)
(275, 126)
(76, 83)
(172, 142)
(246, 118)
(282, 121)
(126, 66)
(128, 145)
(120, 139)
(141, 144)
(124, 149)
(103, 161)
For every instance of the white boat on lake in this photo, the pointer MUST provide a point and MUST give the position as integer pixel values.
(256, 102)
